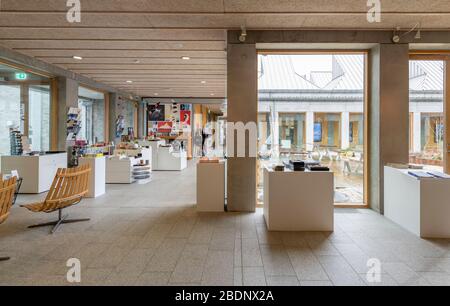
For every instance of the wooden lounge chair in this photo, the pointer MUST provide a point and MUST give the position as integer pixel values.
(7, 189)
(68, 188)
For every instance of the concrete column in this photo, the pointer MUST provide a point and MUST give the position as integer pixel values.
(389, 115)
(309, 131)
(113, 113)
(242, 95)
(141, 132)
(345, 130)
(67, 97)
(417, 131)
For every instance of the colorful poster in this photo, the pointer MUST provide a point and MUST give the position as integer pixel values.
(156, 112)
(165, 126)
(185, 118)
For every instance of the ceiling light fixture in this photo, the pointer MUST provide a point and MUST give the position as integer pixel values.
(243, 35)
(137, 61)
(129, 81)
(203, 82)
(156, 94)
(186, 58)
(397, 37)
(77, 57)
(212, 94)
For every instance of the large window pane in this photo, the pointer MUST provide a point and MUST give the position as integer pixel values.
(39, 117)
(426, 91)
(311, 107)
(92, 116)
(9, 114)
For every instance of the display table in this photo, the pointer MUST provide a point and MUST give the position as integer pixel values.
(211, 187)
(421, 206)
(37, 172)
(168, 160)
(298, 201)
(153, 145)
(119, 170)
(97, 180)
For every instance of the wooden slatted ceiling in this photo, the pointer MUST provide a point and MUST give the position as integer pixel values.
(144, 40)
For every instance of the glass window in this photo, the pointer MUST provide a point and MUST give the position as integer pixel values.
(292, 131)
(316, 103)
(39, 117)
(24, 106)
(426, 106)
(92, 116)
(10, 110)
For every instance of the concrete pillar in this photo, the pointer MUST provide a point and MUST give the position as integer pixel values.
(309, 131)
(242, 95)
(389, 115)
(345, 130)
(417, 131)
(141, 132)
(67, 97)
(113, 113)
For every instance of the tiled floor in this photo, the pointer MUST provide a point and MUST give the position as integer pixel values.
(152, 235)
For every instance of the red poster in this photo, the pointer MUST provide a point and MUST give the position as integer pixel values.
(185, 118)
(165, 126)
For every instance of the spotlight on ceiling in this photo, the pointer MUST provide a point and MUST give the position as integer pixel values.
(77, 57)
(243, 35)
(418, 35)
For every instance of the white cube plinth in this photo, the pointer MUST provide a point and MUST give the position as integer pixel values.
(97, 178)
(211, 187)
(421, 206)
(298, 201)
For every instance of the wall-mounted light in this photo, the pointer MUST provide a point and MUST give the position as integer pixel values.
(243, 35)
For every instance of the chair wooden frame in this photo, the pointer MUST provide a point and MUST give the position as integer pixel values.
(7, 190)
(68, 188)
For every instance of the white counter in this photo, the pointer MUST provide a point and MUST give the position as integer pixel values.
(97, 180)
(211, 187)
(422, 206)
(298, 201)
(37, 172)
(171, 161)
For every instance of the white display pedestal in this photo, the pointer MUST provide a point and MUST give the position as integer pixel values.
(422, 206)
(119, 170)
(211, 187)
(298, 201)
(97, 178)
(154, 145)
(171, 161)
(37, 172)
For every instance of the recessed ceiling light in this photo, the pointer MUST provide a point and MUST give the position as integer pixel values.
(212, 94)
(156, 93)
(77, 57)
(186, 58)
(203, 82)
(129, 81)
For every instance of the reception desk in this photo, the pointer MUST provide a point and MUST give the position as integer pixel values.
(298, 201)
(37, 171)
(421, 206)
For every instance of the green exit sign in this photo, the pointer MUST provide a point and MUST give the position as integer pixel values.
(21, 76)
